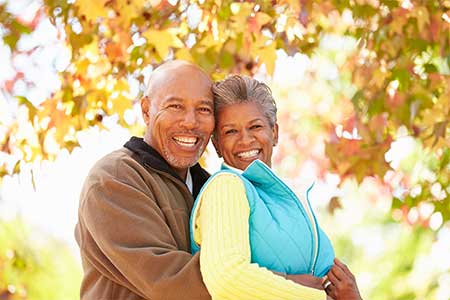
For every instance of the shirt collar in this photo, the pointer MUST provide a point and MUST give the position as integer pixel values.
(189, 182)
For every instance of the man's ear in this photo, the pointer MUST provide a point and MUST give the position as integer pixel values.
(216, 145)
(145, 107)
(275, 134)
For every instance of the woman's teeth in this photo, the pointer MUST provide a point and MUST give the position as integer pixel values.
(248, 154)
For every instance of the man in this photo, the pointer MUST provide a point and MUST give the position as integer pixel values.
(133, 228)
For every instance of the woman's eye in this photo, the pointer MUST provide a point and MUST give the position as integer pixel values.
(256, 126)
(230, 131)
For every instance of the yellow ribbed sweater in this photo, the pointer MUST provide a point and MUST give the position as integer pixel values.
(222, 231)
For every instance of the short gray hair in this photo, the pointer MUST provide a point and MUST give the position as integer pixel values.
(237, 89)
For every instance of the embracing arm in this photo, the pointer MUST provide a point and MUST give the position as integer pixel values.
(126, 237)
(225, 258)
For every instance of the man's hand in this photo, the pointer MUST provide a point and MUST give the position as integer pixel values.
(343, 284)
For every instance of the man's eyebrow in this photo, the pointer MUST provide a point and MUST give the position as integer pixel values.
(207, 102)
(172, 99)
(177, 99)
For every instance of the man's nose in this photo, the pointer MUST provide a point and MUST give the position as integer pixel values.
(189, 119)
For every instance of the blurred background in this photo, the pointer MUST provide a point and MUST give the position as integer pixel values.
(363, 90)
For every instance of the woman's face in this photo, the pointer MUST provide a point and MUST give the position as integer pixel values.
(244, 134)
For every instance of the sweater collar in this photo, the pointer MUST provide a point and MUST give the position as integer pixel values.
(147, 155)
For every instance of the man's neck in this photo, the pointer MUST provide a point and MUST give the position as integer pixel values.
(181, 172)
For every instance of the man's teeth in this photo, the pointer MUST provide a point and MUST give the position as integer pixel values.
(248, 154)
(186, 141)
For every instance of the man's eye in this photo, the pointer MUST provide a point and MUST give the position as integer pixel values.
(256, 126)
(175, 106)
(206, 110)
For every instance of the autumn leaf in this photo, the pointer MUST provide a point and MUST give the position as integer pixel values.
(120, 104)
(268, 56)
(92, 10)
(257, 21)
(31, 108)
(422, 16)
(129, 10)
(184, 54)
(163, 40)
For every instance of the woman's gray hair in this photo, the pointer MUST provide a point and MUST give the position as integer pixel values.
(237, 89)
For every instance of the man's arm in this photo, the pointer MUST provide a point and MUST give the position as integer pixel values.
(137, 248)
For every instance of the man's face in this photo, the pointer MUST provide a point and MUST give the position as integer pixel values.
(179, 116)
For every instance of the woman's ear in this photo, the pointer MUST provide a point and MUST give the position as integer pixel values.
(216, 145)
(275, 134)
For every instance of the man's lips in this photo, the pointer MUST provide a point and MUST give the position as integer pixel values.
(186, 141)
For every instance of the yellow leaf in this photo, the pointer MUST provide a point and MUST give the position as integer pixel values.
(184, 54)
(267, 55)
(422, 15)
(255, 23)
(397, 25)
(206, 43)
(241, 12)
(122, 85)
(129, 10)
(120, 105)
(262, 19)
(92, 9)
(91, 50)
(163, 40)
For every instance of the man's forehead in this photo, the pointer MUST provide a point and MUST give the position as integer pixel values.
(187, 76)
(179, 98)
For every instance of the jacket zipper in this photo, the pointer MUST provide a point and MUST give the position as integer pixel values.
(310, 214)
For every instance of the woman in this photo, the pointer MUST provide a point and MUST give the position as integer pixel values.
(247, 221)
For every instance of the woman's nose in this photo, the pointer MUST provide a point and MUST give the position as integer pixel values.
(247, 137)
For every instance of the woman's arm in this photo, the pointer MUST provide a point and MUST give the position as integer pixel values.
(225, 249)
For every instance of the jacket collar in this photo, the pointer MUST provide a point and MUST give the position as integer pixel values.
(146, 155)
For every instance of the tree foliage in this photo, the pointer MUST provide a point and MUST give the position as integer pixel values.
(400, 71)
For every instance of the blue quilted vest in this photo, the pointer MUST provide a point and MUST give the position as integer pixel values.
(282, 236)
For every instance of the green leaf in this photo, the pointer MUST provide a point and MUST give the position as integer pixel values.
(11, 40)
(31, 108)
(77, 41)
(20, 28)
(226, 60)
(430, 68)
(16, 168)
(403, 77)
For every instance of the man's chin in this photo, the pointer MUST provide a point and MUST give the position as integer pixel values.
(181, 163)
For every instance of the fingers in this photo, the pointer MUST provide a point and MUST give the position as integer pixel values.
(332, 277)
(331, 291)
(337, 272)
(344, 268)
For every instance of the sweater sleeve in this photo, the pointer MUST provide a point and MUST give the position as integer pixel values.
(223, 233)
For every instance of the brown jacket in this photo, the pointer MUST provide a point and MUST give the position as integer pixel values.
(133, 229)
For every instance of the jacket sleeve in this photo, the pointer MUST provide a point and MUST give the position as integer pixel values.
(225, 258)
(130, 242)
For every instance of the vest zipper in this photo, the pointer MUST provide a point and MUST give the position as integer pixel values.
(310, 214)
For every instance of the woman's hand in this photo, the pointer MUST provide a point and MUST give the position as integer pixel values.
(343, 284)
(307, 280)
